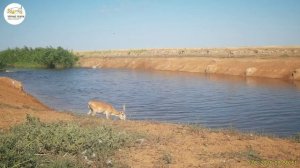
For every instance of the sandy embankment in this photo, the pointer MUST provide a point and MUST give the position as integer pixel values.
(270, 62)
(164, 145)
(16, 103)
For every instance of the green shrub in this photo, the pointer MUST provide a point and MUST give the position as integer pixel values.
(39, 57)
(37, 144)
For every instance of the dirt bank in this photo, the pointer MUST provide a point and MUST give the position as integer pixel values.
(171, 145)
(16, 103)
(163, 145)
(272, 62)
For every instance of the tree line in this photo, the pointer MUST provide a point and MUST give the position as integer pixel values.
(48, 57)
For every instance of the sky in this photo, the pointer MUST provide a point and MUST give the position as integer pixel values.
(132, 24)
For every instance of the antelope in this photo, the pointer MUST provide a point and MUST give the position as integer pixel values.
(97, 106)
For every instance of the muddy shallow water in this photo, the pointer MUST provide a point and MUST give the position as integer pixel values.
(248, 104)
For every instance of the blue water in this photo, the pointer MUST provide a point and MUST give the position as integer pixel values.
(248, 104)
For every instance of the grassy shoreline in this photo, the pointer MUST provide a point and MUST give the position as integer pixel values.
(38, 144)
(94, 142)
(37, 57)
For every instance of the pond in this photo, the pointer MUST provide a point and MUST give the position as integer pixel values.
(248, 104)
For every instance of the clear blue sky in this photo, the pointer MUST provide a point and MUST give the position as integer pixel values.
(121, 24)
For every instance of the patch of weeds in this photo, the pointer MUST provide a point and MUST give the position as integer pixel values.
(264, 134)
(246, 136)
(181, 52)
(196, 128)
(166, 158)
(61, 161)
(38, 144)
(284, 55)
(140, 51)
(230, 130)
(117, 164)
(251, 154)
(296, 137)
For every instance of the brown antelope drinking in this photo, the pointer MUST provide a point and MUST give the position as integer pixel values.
(97, 106)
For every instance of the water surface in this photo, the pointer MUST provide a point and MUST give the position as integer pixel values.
(248, 104)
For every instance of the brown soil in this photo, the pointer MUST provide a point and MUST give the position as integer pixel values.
(173, 145)
(15, 104)
(163, 145)
(272, 62)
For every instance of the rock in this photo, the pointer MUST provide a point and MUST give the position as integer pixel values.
(250, 71)
(296, 74)
(14, 83)
(211, 68)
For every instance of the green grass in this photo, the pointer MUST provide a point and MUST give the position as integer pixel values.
(48, 57)
(28, 65)
(252, 154)
(37, 144)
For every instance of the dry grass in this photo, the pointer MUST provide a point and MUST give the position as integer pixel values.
(243, 52)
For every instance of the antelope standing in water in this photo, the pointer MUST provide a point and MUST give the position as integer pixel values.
(97, 106)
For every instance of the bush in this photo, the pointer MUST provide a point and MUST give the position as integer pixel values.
(37, 144)
(39, 57)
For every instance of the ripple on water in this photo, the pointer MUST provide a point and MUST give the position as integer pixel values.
(263, 105)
